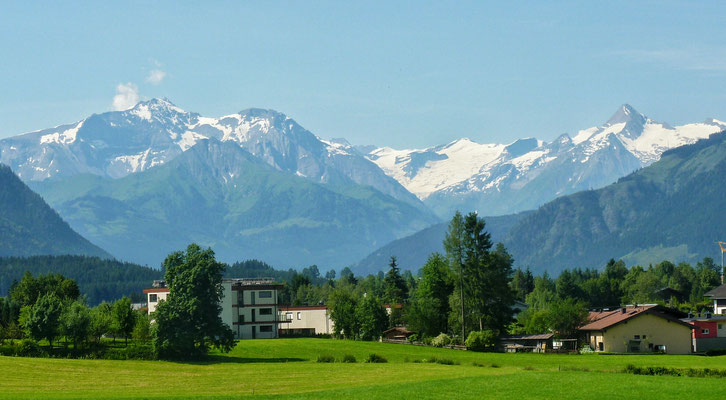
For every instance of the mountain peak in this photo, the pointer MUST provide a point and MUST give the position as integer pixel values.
(262, 113)
(158, 104)
(626, 113)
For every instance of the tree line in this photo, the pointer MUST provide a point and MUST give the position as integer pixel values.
(50, 307)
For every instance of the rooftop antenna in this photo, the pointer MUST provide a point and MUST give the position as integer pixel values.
(723, 250)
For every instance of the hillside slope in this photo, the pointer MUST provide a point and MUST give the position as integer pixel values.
(28, 226)
(219, 195)
(672, 209)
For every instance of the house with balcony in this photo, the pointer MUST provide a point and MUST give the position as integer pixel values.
(305, 321)
(250, 307)
(638, 329)
(718, 296)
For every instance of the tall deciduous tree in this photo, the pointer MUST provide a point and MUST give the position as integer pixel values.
(429, 309)
(42, 319)
(123, 318)
(343, 304)
(372, 318)
(76, 323)
(188, 323)
(29, 289)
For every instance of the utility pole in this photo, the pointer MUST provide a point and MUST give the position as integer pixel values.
(723, 250)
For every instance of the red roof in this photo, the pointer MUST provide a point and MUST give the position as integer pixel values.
(157, 290)
(302, 308)
(602, 320)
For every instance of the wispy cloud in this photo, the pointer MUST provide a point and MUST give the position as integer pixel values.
(155, 76)
(686, 59)
(127, 95)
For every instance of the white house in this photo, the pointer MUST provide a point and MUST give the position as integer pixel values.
(305, 321)
(249, 306)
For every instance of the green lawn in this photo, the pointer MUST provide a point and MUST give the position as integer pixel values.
(286, 368)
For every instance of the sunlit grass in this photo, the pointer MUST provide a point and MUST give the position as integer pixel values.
(288, 368)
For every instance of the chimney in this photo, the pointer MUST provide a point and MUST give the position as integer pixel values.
(622, 310)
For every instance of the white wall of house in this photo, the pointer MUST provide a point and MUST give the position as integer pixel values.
(153, 299)
(719, 306)
(302, 318)
(251, 312)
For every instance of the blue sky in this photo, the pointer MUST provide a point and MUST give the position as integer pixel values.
(407, 74)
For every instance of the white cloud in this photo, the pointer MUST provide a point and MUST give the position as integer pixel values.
(702, 59)
(155, 76)
(127, 95)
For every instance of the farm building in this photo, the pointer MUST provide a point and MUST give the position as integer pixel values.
(305, 321)
(638, 328)
(249, 306)
(397, 334)
(528, 343)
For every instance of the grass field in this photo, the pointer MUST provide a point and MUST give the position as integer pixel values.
(287, 368)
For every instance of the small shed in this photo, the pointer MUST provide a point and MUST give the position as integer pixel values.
(528, 343)
(399, 333)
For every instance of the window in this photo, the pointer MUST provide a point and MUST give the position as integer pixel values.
(265, 311)
(288, 316)
(241, 319)
(720, 326)
(636, 337)
(705, 331)
(266, 328)
(299, 315)
(152, 298)
(267, 294)
(644, 337)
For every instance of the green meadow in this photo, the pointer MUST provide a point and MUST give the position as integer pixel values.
(287, 368)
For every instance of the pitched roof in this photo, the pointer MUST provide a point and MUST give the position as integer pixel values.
(717, 293)
(404, 330)
(602, 320)
(540, 336)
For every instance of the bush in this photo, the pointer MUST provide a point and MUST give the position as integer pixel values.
(375, 358)
(443, 361)
(138, 352)
(481, 340)
(326, 358)
(349, 358)
(30, 348)
(413, 338)
(716, 352)
(441, 340)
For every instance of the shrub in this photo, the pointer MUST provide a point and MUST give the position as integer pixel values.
(326, 358)
(375, 358)
(446, 361)
(441, 340)
(349, 358)
(30, 348)
(481, 340)
(138, 352)
(495, 365)
(716, 352)
(413, 338)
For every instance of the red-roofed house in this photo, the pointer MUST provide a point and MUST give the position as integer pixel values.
(639, 328)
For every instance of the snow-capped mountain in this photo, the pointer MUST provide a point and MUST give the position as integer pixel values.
(500, 179)
(115, 144)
